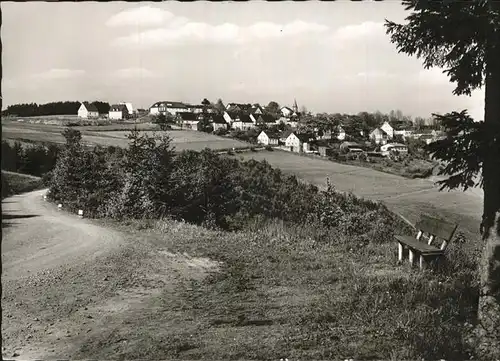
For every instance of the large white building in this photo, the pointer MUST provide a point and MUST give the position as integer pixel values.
(164, 107)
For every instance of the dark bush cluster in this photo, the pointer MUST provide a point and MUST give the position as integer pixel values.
(148, 179)
(33, 159)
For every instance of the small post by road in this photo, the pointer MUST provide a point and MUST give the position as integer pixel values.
(59, 206)
(80, 213)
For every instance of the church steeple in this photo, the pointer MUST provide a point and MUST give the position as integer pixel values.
(295, 106)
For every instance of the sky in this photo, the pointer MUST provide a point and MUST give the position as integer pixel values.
(329, 56)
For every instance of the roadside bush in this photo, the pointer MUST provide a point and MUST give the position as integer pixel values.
(6, 191)
(147, 180)
(33, 159)
(269, 148)
(220, 131)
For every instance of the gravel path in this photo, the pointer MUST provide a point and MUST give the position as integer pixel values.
(71, 286)
(36, 236)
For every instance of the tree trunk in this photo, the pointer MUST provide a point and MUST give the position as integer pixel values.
(489, 297)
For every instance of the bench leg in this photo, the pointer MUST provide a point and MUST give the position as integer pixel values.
(411, 256)
(422, 262)
(400, 253)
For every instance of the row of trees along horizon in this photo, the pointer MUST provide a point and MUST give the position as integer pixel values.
(52, 108)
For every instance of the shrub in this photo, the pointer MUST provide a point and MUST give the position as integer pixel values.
(220, 131)
(269, 148)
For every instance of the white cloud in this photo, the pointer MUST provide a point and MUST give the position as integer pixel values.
(142, 16)
(179, 30)
(367, 28)
(375, 74)
(130, 73)
(59, 74)
(432, 76)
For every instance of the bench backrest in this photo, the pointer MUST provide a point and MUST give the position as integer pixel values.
(436, 228)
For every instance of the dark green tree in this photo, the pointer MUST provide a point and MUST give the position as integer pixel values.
(66, 178)
(273, 108)
(219, 107)
(436, 33)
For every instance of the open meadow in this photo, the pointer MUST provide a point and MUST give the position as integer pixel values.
(114, 135)
(407, 197)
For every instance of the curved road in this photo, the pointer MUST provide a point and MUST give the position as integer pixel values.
(36, 236)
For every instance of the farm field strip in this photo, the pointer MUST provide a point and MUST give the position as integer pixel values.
(408, 197)
(181, 139)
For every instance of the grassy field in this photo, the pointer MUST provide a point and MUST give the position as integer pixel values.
(114, 135)
(16, 183)
(408, 197)
(280, 293)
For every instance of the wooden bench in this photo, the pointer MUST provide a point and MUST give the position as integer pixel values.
(429, 230)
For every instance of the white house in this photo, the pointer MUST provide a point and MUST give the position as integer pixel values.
(130, 108)
(254, 117)
(341, 133)
(292, 122)
(386, 148)
(118, 111)
(298, 142)
(218, 122)
(229, 117)
(164, 107)
(386, 127)
(188, 120)
(88, 111)
(267, 138)
(286, 112)
(379, 136)
(243, 122)
(403, 132)
(257, 109)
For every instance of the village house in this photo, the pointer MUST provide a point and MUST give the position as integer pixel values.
(88, 111)
(254, 117)
(387, 148)
(402, 128)
(267, 119)
(379, 136)
(326, 134)
(187, 120)
(388, 129)
(350, 146)
(130, 108)
(242, 122)
(197, 109)
(118, 112)
(257, 109)
(298, 142)
(229, 117)
(239, 108)
(218, 122)
(292, 122)
(267, 137)
(286, 112)
(325, 151)
(341, 134)
(164, 107)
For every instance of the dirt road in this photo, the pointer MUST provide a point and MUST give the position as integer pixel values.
(71, 285)
(36, 236)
